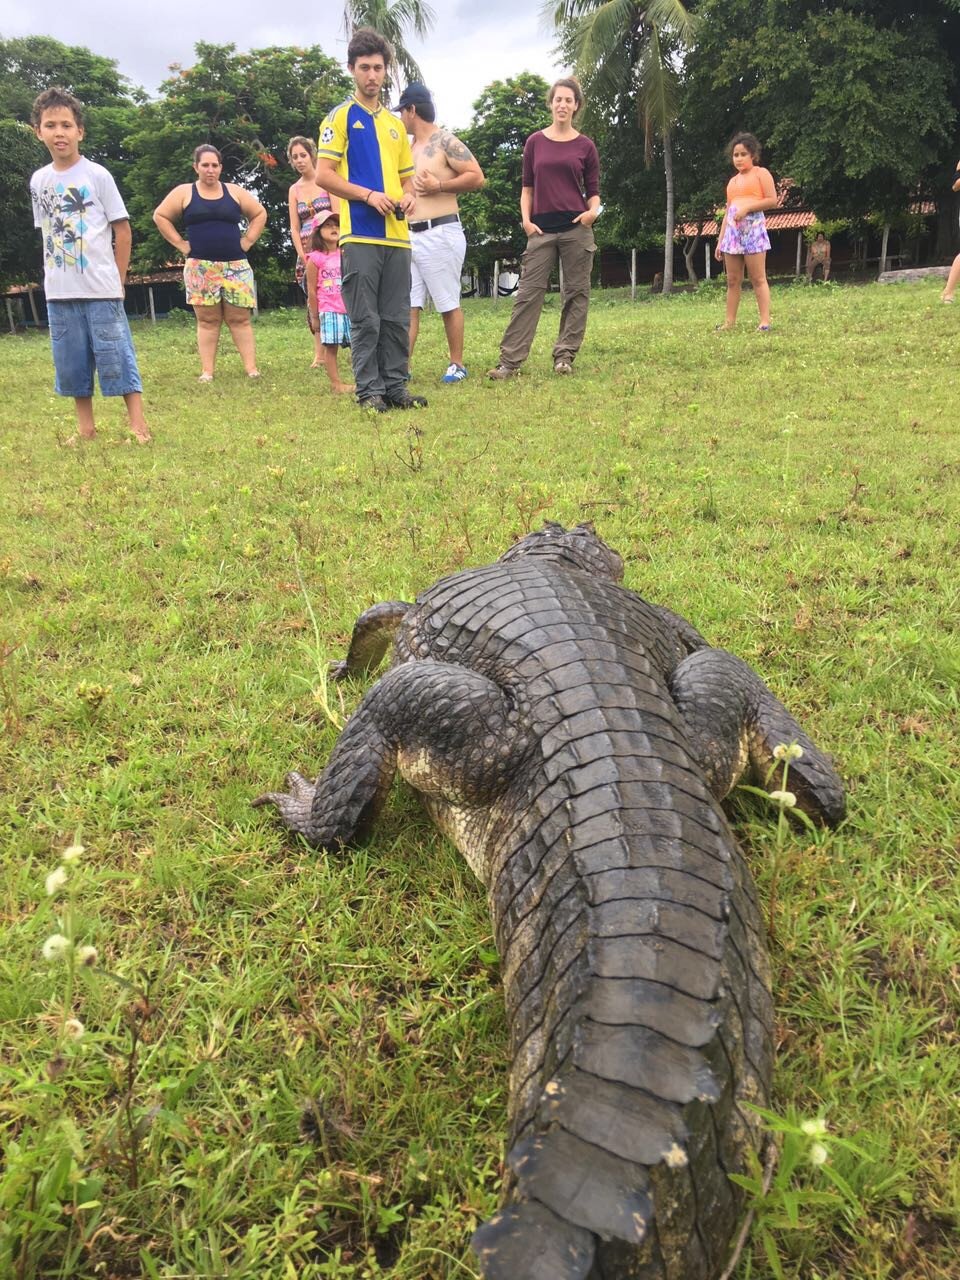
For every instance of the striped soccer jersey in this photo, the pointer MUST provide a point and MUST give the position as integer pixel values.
(371, 148)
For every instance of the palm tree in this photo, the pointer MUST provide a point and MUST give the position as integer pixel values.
(625, 51)
(395, 21)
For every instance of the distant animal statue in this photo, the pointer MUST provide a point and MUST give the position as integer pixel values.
(574, 741)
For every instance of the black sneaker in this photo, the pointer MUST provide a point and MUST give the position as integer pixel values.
(376, 404)
(404, 400)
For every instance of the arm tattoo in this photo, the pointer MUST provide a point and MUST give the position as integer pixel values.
(455, 149)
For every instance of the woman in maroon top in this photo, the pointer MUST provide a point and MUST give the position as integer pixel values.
(559, 203)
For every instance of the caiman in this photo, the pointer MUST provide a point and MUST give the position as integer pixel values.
(574, 742)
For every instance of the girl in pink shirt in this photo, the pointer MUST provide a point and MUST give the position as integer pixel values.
(326, 310)
(743, 235)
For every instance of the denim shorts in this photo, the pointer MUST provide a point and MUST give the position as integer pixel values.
(88, 334)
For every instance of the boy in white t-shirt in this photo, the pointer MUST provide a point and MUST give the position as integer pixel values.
(86, 251)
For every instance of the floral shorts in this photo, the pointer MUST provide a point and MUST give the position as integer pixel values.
(749, 236)
(207, 282)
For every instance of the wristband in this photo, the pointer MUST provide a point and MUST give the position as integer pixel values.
(366, 198)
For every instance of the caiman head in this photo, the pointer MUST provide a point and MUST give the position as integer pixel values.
(579, 547)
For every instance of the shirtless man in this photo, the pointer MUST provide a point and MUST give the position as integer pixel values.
(445, 168)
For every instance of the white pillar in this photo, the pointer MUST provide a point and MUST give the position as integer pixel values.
(33, 305)
(13, 327)
(633, 275)
(496, 283)
(153, 309)
(799, 248)
(883, 248)
(707, 258)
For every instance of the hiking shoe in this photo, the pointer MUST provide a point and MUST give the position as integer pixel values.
(404, 400)
(376, 404)
(563, 366)
(455, 373)
(502, 372)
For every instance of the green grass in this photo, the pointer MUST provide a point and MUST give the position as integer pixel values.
(318, 1085)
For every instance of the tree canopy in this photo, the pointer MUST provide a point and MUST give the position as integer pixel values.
(503, 116)
(248, 105)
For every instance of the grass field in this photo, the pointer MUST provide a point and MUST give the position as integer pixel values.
(293, 1065)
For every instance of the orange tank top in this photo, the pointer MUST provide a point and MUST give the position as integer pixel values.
(745, 186)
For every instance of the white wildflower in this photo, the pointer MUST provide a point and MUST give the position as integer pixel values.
(87, 956)
(785, 799)
(814, 1128)
(818, 1153)
(55, 881)
(55, 946)
(74, 1029)
(72, 854)
(788, 751)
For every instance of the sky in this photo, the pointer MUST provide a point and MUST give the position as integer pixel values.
(473, 42)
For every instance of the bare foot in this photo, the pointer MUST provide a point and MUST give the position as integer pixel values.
(141, 433)
(205, 377)
(316, 364)
(86, 433)
(253, 373)
(344, 388)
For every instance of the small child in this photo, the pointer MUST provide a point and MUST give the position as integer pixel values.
(743, 234)
(326, 310)
(86, 252)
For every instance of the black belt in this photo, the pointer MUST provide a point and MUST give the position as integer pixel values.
(435, 222)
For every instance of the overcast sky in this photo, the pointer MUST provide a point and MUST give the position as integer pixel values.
(473, 41)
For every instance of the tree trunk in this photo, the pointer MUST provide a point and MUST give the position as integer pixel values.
(689, 249)
(669, 228)
(947, 243)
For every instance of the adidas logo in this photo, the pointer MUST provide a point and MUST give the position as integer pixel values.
(358, 124)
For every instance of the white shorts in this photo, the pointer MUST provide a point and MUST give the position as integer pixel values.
(437, 256)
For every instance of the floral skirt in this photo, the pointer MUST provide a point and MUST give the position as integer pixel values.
(747, 236)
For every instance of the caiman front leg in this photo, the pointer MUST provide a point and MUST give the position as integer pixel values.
(373, 633)
(454, 735)
(733, 724)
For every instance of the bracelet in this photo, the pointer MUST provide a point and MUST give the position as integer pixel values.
(366, 198)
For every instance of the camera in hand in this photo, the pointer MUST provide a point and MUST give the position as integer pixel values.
(398, 212)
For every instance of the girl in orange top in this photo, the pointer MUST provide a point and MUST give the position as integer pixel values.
(743, 234)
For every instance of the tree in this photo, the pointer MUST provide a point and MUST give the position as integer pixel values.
(630, 54)
(395, 20)
(27, 67)
(855, 101)
(504, 115)
(247, 105)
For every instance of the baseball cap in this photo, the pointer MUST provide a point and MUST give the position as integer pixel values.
(321, 218)
(415, 95)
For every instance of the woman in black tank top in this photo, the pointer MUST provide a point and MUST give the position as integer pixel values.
(216, 275)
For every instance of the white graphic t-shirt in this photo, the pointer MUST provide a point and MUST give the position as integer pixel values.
(74, 208)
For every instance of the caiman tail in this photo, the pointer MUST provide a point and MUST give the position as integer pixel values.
(638, 999)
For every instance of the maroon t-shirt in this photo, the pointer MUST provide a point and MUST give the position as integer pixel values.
(563, 175)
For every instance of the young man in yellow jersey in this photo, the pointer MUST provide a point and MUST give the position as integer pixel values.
(364, 157)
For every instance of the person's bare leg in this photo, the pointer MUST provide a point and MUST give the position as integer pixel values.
(733, 265)
(953, 278)
(86, 428)
(137, 422)
(414, 328)
(209, 320)
(240, 323)
(317, 351)
(757, 270)
(330, 361)
(453, 325)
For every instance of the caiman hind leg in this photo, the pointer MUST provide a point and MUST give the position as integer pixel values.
(733, 724)
(373, 633)
(454, 735)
